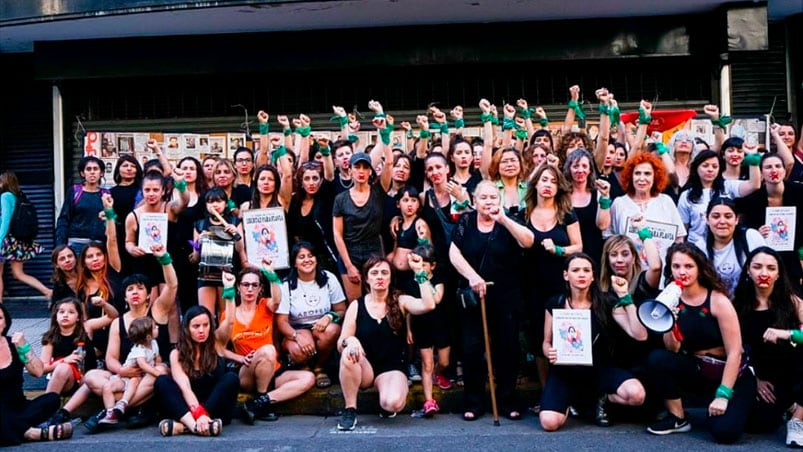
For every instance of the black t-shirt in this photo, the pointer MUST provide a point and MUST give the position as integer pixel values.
(627, 352)
(544, 270)
(591, 234)
(240, 194)
(318, 219)
(361, 224)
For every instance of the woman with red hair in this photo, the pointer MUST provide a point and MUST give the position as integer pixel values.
(643, 178)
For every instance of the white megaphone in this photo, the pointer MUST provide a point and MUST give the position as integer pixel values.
(658, 315)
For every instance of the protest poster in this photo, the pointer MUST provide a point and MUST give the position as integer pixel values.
(571, 336)
(265, 233)
(152, 230)
(782, 221)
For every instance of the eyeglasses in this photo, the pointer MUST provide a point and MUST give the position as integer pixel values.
(252, 285)
(312, 165)
(243, 160)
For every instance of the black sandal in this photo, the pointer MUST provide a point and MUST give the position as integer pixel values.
(56, 432)
(470, 415)
(215, 427)
(169, 427)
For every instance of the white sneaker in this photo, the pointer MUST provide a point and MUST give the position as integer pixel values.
(412, 373)
(794, 433)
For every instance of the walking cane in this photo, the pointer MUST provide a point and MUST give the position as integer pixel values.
(488, 358)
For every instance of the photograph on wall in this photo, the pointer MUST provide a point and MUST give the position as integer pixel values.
(125, 143)
(92, 144)
(172, 146)
(108, 145)
(108, 172)
(235, 140)
(189, 142)
(217, 147)
(203, 144)
(571, 336)
(266, 237)
(152, 231)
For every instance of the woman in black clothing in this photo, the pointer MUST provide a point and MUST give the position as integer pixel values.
(770, 315)
(703, 351)
(64, 273)
(310, 215)
(486, 246)
(200, 396)
(128, 177)
(590, 199)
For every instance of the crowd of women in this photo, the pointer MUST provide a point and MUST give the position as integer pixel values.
(393, 249)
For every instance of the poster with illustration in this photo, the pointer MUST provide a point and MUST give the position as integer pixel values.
(571, 336)
(663, 234)
(152, 230)
(125, 143)
(92, 144)
(782, 221)
(266, 237)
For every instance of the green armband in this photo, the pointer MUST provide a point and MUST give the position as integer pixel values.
(336, 319)
(724, 392)
(287, 132)
(644, 234)
(181, 186)
(643, 117)
(263, 128)
(304, 131)
(722, 122)
(278, 153)
(800, 253)
(164, 259)
(459, 123)
(615, 115)
(559, 251)
(521, 134)
(460, 205)
(796, 336)
(604, 109)
(661, 148)
(752, 159)
(229, 294)
(325, 151)
(421, 277)
(341, 120)
(353, 138)
(424, 134)
(544, 122)
(578, 109)
(111, 215)
(508, 123)
(384, 134)
(434, 127)
(624, 300)
(380, 115)
(23, 351)
(445, 128)
(230, 204)
(487, 117)
(525, 113)
(422, 242)
(272, 277)
(605, 203)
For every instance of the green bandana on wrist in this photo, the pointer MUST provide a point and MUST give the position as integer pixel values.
(578, 109)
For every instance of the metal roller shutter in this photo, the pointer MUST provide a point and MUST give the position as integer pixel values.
(759, 77)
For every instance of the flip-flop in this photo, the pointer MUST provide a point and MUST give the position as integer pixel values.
(169, 427)
(321, 379)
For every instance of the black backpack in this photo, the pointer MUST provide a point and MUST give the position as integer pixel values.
(25, 221)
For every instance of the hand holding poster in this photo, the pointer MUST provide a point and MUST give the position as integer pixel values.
(152, 231)
(782, 222)
(266, 237)
(571, 336)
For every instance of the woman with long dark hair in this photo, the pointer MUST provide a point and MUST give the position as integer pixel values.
(770, 315)
(310, 212)
(65, 273)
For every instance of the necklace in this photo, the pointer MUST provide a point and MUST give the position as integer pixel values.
(343, 183)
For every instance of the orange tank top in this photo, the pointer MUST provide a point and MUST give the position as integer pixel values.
(258, 333)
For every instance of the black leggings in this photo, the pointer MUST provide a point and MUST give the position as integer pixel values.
(669, 371)
(766, 417)
(15, 422)
(218, 397)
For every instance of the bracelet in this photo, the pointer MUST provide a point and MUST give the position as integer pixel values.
(722, 122)
(644, 234)
(578, 109)
(445, 128)
(661, 148)
(263, 128)
(624, 300)
(508, 123)
(272, 277)
(796, 337)
(421, 277)
(164, 259)
(181, 186)
(643, 117)
(22, 351)
(424, 134)
(287, 132)
(544, 121)
(724, 392)
(228, 293)
(304, 131)
(325, 151)
(336, 319)
(559, 251)
(460, 205)
(605, 203)
(521, 134)
(278, 153)
(198, 411)
(384, 134)
(752, 159)
(341, 120)
(111, 215)
(459, 123)
(231, 205)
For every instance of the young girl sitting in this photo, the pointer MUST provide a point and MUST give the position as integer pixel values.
(59, 345)
(429, 331)
(145, 354)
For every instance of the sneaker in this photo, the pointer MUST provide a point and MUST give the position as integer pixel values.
(93, 423)
(348, 420)
(794, 433)
(412, 373)
(430, 408)
(600, 412)
(442, 382)
(140, 418)
(669, 424)
(384, 414)
(112, 417)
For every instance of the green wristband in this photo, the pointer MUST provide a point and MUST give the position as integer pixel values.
(272, 277)
(22, 351)
(341, 120)
(421, 277)
(230, 204)
(445, 129)
(615, 115)
(543, 122)
(263, 128)
(459, 123)
(304, 131)
(661, 148)
(559, 251)
(752, 159)
(796, 337)
(521, 134)
(278, 153)
(325, 151)
(353, 138)
(508, 123)
(722, 122)
(643, 117)
(422, 242)
(181, 186)
(578, 109)
(800, 253)
(644, 234)
(336, 319)
(229, 294)
(486, 117)
(287, 132)
(724, 392)
(424, 134)
(604, 109)
(460, 205)
(164, 259)
(624, 300)
(605, 203)
(384, 134)
(111, 215)
(380, 115)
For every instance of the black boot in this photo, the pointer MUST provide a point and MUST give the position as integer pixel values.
(262, 407)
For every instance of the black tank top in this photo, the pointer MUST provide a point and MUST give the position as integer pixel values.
(699, 328)
(408, 238)
(126, 345)
(381, 344)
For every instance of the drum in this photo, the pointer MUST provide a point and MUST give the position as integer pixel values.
(216, 255)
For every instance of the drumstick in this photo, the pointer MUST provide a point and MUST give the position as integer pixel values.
(219, 217)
